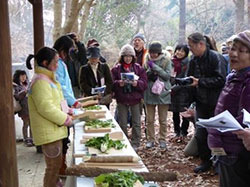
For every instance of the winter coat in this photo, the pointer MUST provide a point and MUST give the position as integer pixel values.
(73, 65)
(62, 76)
(234, 97)
(20, 94)
(162, 70)
(141, 56)
(210, 69)
(88, 81)
(46, 116)
(129, 98)
(180, 93)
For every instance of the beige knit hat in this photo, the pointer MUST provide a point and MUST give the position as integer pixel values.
(127, 50)
(244, 37)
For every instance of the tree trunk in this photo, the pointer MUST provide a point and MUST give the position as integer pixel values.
(8, 162)
(84, 18)
(57, 19)
(73, 15)
(182, 22)
(239, 15)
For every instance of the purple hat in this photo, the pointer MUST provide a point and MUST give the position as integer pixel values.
(244, 37)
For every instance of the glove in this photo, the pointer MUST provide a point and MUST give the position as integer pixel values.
(150, 64)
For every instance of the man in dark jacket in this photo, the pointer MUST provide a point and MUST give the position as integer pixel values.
(78, 59)
(208, 71)
(140, 51)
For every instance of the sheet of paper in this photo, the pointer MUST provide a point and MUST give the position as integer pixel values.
(98, 90)
(128, 76)
(246, 117)
(223, 122)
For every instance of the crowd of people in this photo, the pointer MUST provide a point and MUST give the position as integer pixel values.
(150, 80)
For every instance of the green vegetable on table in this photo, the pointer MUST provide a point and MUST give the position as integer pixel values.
(100, 124)
(121, 179)
(95, 107)
(104, 143)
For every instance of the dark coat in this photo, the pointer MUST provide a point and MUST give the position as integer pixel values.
(210, 69)
(180, 93)
(234, 97)
(20, 94)
(136, 92)
(87, 78)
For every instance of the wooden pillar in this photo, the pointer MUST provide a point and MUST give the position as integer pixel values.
(8, 163)
(38, 24)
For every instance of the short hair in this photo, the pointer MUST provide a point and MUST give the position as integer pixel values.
(184, 47)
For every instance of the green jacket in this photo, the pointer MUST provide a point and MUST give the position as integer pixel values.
(162, 70)
(44, 100)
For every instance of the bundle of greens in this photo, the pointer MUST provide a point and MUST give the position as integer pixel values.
(104, 143)
(95, 107)
(121, 179)
(96, 123)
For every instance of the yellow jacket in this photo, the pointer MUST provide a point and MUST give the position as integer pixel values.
(46, 116)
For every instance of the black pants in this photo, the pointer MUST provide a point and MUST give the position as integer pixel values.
(205, 112)
(184, 125)
(66, 141)
(235, 174)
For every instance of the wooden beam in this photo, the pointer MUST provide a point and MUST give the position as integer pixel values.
(38, 24)
(8, 163)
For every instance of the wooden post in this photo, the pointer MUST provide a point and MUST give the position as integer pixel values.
(8, 163)
(38, 24)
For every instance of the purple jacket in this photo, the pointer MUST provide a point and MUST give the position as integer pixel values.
(234, 97)
(136, 94)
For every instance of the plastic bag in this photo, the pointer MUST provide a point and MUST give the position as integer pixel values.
(157, 87)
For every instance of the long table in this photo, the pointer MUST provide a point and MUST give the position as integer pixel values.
(79, 148)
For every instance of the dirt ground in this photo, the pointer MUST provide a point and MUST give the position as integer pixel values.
(172, 159)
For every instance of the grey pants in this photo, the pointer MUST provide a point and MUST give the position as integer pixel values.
(135, 119)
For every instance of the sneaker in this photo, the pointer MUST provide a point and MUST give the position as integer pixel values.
(28, 142)
(163, 144)
(39, 149)
(149, 144)
(205, 166)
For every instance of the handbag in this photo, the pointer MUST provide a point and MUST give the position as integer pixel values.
(157, 87)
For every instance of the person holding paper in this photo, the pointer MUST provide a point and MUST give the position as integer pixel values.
(232, 149)
(128, 93)
(96, 74)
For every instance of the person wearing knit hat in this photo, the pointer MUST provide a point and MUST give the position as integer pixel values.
(129, 92)
(140, 51)
(233, 166)
(94, 43)
(158, 69)
(96, 74)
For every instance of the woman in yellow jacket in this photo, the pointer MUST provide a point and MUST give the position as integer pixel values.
(48, 119)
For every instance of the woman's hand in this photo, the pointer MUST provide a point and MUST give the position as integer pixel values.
(121, 83)
(245, 136)
(134, 83)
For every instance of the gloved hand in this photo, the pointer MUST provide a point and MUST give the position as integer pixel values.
(150, 64)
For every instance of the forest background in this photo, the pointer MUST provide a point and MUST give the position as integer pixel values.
(114, 22)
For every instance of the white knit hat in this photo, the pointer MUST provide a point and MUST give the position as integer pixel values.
(127, 50)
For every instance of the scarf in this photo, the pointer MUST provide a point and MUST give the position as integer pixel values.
(126, 66)
(177, 65)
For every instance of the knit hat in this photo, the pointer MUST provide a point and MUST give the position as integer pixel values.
(243, 37)
(93, 52)
(127, 50)
(92, 43)
(139, 35)
(155, 47)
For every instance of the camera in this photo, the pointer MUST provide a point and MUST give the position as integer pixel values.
(127, 88)
(183, 81)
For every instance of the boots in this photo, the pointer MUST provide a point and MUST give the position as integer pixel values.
(63, 165)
